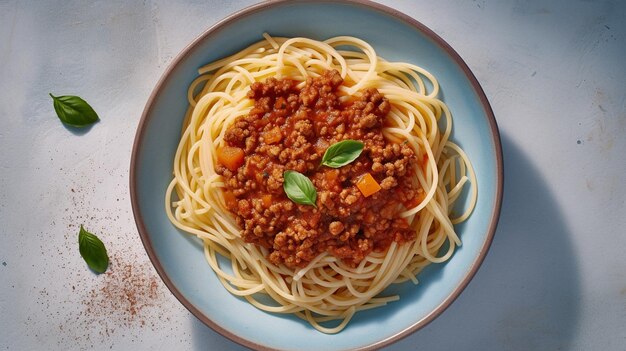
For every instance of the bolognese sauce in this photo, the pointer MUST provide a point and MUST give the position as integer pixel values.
(290, 129)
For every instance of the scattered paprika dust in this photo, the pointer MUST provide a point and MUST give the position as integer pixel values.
(123, 299)
(75, 308)
(128, 294)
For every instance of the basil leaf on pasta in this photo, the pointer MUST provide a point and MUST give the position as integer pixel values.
(299, 188)
(342, 153)
(74, 111)
(93, 251)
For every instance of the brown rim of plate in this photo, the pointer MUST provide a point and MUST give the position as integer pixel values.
(495, 139)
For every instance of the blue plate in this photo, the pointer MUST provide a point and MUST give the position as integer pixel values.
(179, 258)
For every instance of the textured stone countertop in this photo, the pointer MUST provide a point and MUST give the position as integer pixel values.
(554, 72)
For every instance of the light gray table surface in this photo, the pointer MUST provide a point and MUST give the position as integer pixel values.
(554, 72)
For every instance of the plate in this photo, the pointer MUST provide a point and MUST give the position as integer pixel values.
(178, 257)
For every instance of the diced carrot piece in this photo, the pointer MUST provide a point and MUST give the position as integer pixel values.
(230, 157)
(368, 185)
(230, 200)
(272, 136)
(267, 200)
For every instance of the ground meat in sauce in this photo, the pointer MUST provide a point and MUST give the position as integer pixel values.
(290, 129)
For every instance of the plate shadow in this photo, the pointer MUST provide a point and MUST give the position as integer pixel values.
(526, 294)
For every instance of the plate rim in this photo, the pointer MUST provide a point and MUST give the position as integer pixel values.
(495, 143)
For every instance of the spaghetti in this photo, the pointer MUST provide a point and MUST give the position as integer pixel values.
(325, 290)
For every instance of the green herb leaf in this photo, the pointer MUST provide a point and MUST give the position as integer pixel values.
(93, 251)
(299, 188)
(74, 111)
(342, 153)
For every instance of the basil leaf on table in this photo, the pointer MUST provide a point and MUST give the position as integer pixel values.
(342, 153)
(93, 251)
(299, 188)
(74, 111)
